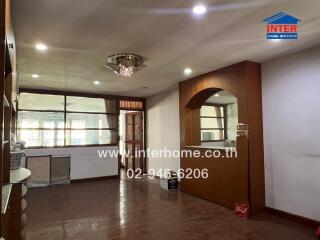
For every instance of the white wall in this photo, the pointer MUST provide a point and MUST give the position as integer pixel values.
(85, 161)
(163, 128)
(291, 116)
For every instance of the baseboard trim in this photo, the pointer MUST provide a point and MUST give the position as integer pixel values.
(94, 179)
(296, 218)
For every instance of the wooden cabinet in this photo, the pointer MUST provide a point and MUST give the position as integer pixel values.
(12, 191)
(18, 204)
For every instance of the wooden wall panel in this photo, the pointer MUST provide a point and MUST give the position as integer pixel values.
(2, 70)
(254, 103)
(12, 51)
(227, 181)
(241, 178)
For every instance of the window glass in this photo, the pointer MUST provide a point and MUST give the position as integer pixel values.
(41, 120)
(41, 138)
(33, 101)
(27, 119)
(82, 120)
(211, 111)
(83, 104)
(86, 137)
(212, 123)
(211, 135)
(232, 113)
(219, 119)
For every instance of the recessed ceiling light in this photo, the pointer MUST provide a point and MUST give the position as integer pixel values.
(96, 83)
(199, 9)
(41, 47)
(35, 75)
(187, 71)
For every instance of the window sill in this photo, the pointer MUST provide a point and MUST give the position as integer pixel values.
(75, 146)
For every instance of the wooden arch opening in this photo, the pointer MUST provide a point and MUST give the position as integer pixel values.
(201, 97)
(238, 179)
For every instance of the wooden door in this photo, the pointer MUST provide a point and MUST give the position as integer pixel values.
(134, 141)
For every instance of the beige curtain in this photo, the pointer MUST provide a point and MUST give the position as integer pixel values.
(111, 107)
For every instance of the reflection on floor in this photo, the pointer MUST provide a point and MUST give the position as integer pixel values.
(138, 209)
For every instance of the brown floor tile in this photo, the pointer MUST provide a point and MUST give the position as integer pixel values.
(139, 209)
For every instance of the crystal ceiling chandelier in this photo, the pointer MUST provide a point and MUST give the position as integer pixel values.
(125, 64)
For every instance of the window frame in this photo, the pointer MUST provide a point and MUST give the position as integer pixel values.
(225, 123)
(65, 112)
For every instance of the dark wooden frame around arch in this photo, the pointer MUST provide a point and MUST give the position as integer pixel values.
(201, 97)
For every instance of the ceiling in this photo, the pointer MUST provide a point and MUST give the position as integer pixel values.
(80, 34)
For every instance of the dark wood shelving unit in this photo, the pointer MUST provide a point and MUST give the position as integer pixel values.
(12, 191)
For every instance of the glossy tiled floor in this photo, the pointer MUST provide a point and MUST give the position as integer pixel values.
(138, 209)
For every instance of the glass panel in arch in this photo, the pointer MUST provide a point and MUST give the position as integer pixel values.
(211, 111)
(212, 122)
(212, 135)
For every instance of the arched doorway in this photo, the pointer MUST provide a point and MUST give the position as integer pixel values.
(235, 179)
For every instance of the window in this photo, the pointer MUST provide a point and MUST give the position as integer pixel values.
(30, 101)
(54, 120)
(212, 123)
(97, 105)
(130, 105)
(218, 120)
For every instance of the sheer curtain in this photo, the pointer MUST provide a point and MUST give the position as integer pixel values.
(111, 107)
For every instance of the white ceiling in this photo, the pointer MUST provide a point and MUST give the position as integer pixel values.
(80, 35)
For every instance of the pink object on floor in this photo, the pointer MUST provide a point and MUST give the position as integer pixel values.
(318, 232)
(242, 210)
